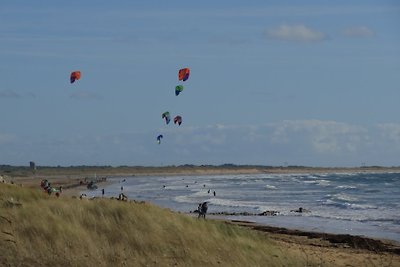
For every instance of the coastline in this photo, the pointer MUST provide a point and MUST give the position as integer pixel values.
(290, 238)
(69, 177)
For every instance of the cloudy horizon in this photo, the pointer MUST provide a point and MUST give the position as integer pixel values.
(298, 143)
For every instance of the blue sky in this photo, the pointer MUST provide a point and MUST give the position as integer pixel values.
(314, 83)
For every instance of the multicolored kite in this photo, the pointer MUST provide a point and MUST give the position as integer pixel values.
(75, 75)
(166, 116)
(183, 74)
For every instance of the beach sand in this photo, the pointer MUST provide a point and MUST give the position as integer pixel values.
(328, 249)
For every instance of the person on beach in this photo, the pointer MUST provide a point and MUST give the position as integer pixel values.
(214, 194)
(102, 192)
(202, 209)
(122, 197)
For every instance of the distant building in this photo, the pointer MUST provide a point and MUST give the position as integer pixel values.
(32, 165)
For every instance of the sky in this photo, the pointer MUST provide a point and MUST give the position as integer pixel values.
(312, 83)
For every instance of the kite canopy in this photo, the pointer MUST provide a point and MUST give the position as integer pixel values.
(178, 119)
(166, 116)
(183, 74)
(178, 89)
(159, 138)
(75, 75)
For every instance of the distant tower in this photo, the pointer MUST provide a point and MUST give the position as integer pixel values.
(32, 165)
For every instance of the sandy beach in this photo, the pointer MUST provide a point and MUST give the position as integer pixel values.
(329, 249)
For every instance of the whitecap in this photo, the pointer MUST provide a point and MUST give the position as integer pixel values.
(323, 182)
(361, 206)
(346, 187)
(344, 197)
(271, 187)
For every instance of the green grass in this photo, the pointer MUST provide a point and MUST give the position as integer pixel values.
(50, 231)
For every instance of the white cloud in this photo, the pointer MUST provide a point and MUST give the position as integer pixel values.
(294, 33)
(390, 132)
(360, 31)
(316, 136)
(299, 142)
(321, 136)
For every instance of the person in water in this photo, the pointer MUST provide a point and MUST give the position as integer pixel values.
(300, 210)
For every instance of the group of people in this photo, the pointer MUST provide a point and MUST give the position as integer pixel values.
(46, 186)
(213, 192)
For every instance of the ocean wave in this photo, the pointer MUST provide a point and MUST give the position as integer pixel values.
(367, 214)
(330, 202)
(185, 199)
(343, 197)
(270, 187)
(362, 206)
(347, 205)
(346, 187)
(246, 205)
(372, 191)
(395, 221)
(321, 182)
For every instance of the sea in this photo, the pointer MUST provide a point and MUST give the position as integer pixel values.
(366, 204)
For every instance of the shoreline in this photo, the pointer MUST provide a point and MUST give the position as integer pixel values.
(330, 240)
(69, 177)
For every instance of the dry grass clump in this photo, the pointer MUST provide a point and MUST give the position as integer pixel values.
(49, 231)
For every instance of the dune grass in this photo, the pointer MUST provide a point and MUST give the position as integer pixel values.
(50, 231)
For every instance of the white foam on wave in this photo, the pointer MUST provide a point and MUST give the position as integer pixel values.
(187, 199)
(343, 202)
(361, 206)
(270, 187)
(323, 182)
(344, 197)
(259, 206)
(355, 212)
(346, 187)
